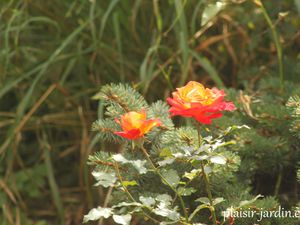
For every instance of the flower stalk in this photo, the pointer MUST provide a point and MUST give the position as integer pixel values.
(206, 182)
(166, 182)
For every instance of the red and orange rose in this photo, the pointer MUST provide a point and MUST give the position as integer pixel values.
(203, 104)
(135, 124)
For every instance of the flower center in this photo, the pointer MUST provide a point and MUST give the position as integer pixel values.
(197, 94)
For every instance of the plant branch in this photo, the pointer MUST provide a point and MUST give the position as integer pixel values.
(206, 181)
(166, 182)
(129, 194)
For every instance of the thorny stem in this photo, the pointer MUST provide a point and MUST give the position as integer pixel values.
(206, 181)
(166, 182)
(130, 196)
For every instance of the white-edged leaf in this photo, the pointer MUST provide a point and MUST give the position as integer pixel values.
(218, 159)
(122, 219)
(125, 204)
(166, 161)
(148, 201)
(165, 198)
(105, 179)
(164, 211)
(119, 158)
(97, 213)
(139, 165)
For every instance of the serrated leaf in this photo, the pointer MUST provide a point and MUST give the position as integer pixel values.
(97, 213)
(105, 179)
(122, 219)
(171, 176)
(148, 201)
(218, 159)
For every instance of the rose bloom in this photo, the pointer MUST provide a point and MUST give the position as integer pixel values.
(134, 125)
(203, 104)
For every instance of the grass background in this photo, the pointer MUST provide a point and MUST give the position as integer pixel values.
(56, 54)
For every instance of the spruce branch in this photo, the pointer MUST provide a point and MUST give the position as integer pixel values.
(121, 98)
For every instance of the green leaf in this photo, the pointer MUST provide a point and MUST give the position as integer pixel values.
(148, 201)
(186, 191)
(171, 176)
(122, 219)
(97, 213)
(105, 179)
(193, 174)
(165, 152)
(218, 200)
(210, 11)
(204, 200)
(129, 183)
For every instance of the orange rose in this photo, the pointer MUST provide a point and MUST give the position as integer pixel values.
(135, 125)
(203, 104)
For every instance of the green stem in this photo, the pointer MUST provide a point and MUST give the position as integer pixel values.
(208, 191)
(166, 182)
(206, 181)
(129, 194)
(276, 41)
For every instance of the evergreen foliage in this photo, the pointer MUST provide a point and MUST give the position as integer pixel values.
(233, 158)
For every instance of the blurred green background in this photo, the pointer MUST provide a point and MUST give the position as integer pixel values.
(55, 55)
